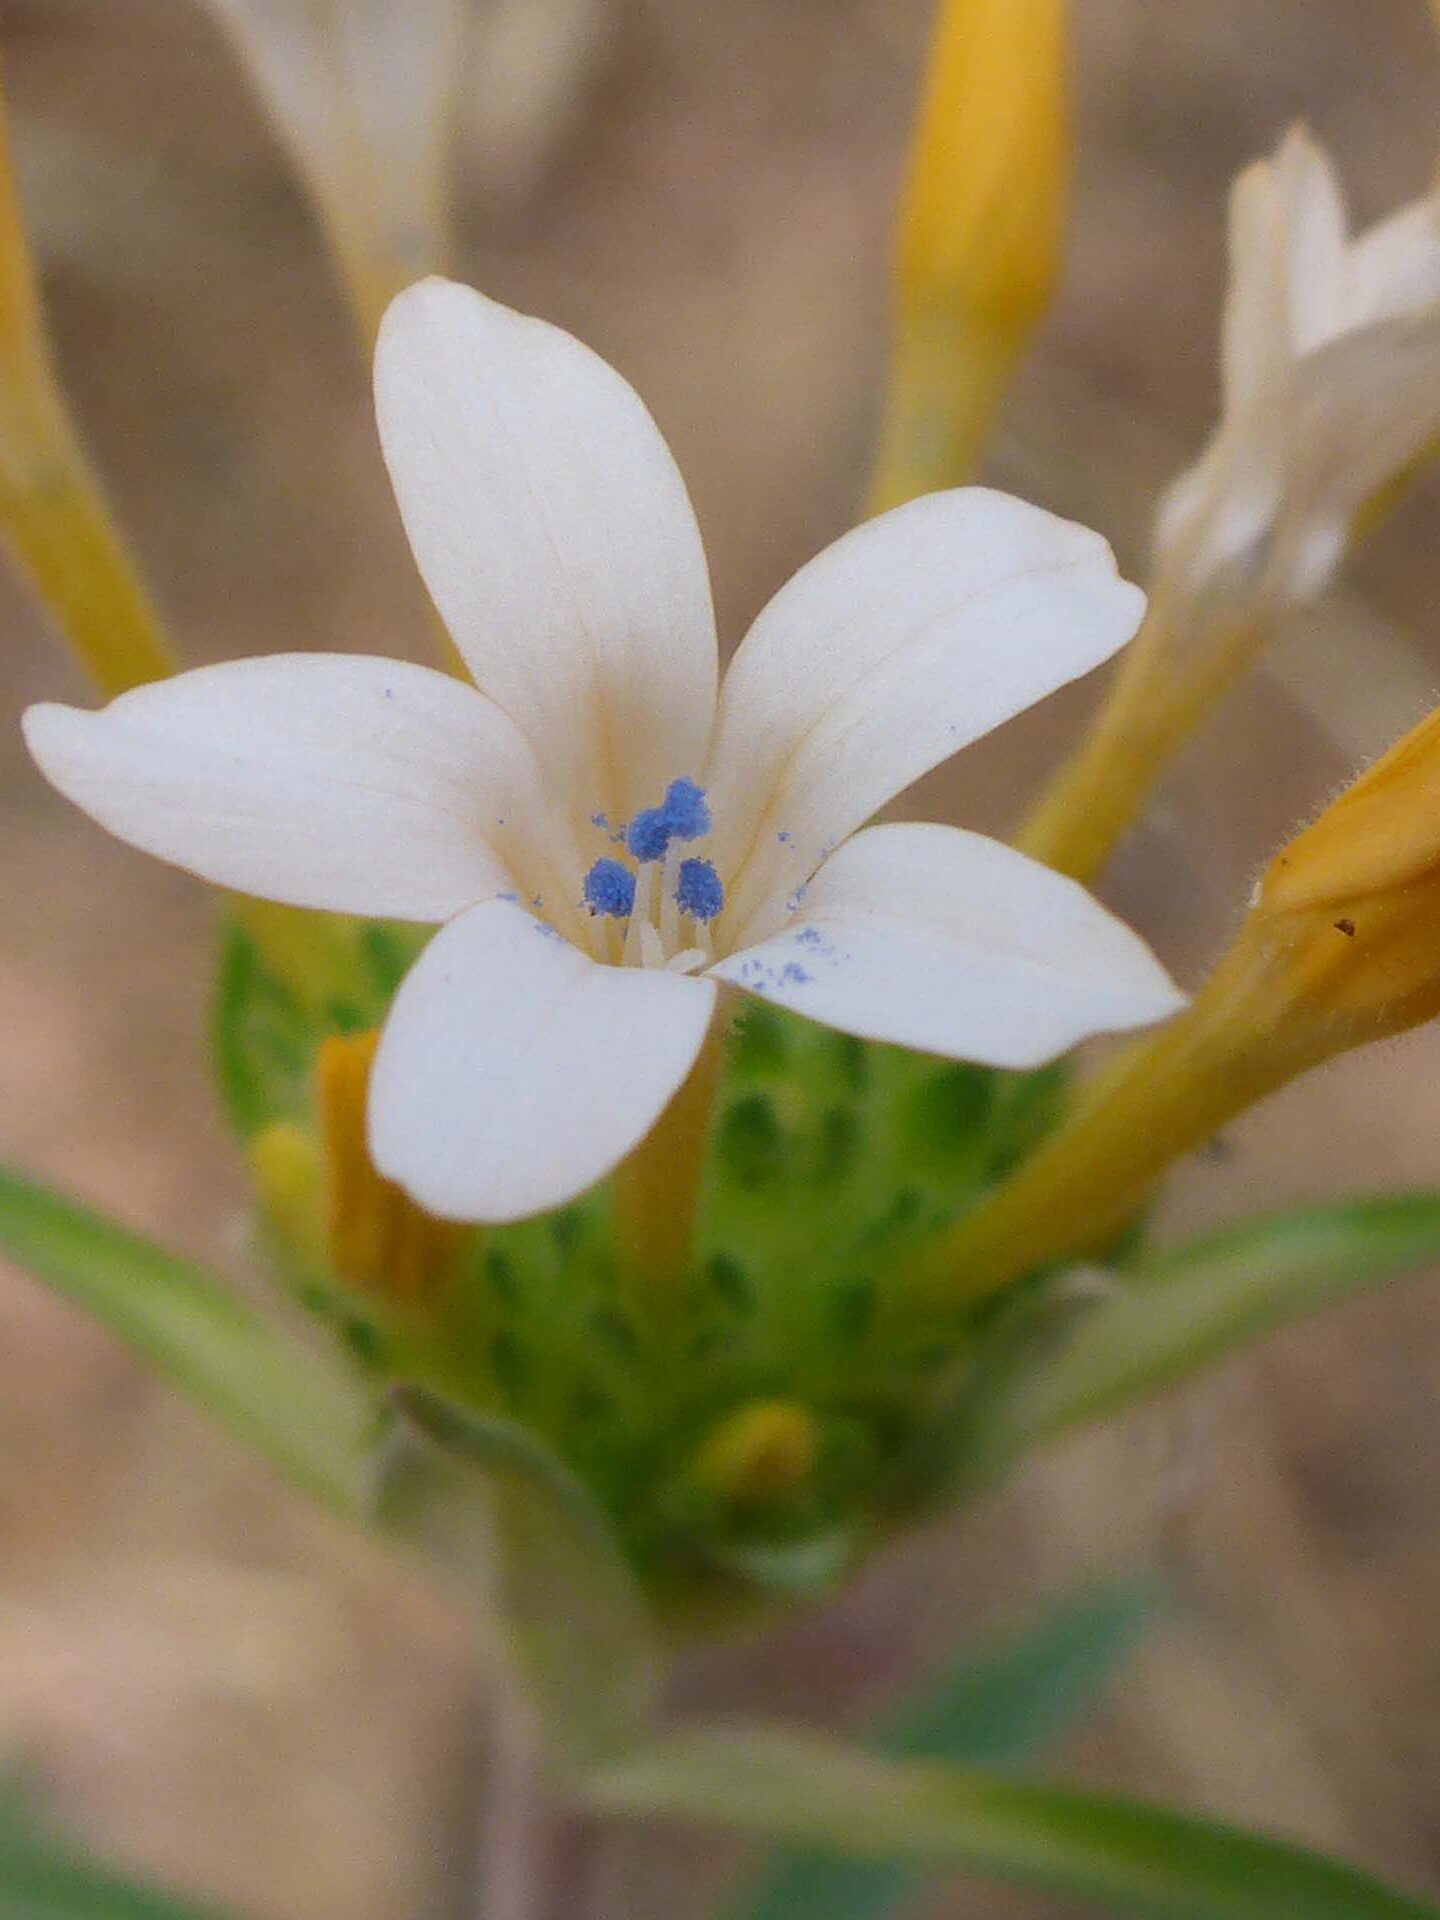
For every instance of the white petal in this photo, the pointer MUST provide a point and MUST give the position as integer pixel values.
(893, 649)
(1395, 267)
(556, 538)
(1366, 407)
(1256, 343)
(1287, 289)
(1218, 513)
(954, 944)
(1314, 230)
(324, 780)
(513, 1072)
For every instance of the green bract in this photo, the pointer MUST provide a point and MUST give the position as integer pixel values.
(830, 1161)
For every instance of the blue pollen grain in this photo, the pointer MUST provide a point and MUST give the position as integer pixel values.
(698, 890)
(610, 889)
(686, 813)
(649, 834)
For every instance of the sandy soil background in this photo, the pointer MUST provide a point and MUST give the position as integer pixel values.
(217, 1685)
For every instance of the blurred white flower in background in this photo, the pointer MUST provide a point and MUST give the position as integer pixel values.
(364, 94)
(372, 98)
(1330, 368)
(533, 65)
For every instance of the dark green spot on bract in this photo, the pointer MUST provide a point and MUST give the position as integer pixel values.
(388, 953)
(364, 1340)
(853, 1059)
(511, 1361)
(591, 1403)
(500, 1272)
(565, 1229)
(750, 1142)
(945, 1112)
(902, 1212)
(839, 1144)
(925, 1356)
(731, 1282)
(854, 1307)
(759, 1046)
(708, 1344)
(615, 1330)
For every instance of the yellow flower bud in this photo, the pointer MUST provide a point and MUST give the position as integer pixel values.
(980, 235)
(1382, 832)
(760, 1454)
(1341, 946)
(1353, 902)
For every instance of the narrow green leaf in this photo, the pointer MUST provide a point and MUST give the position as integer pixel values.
(984, 1712)
(1181, 1309)
(488, 1504)
(1129, 1858)
(291, 1404)
(45, 1878)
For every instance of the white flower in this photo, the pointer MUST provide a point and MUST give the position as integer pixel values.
(1330, 369)
(364, 95)
(607, 842)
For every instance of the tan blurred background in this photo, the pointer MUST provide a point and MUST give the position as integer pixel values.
(218, 1686)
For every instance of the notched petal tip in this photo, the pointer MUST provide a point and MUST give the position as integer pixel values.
(71, 747)
(51, 731)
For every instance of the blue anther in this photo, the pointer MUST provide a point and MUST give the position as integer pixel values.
(698, 891)
(610, 889)
(649, 834)
(686, 813)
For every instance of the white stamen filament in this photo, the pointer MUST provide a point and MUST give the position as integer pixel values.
(669, 909)
(641, 915)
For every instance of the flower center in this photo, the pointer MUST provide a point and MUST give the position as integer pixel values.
(668, 901)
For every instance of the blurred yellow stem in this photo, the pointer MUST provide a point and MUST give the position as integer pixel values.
(52, 506)
(1154, 703)
(946, 385)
